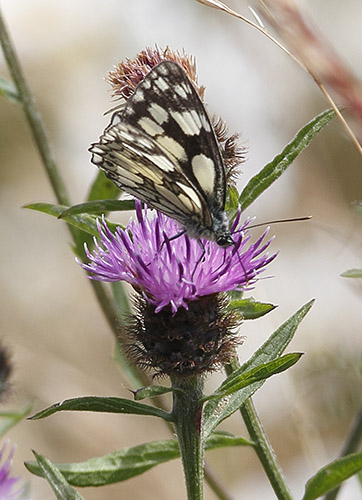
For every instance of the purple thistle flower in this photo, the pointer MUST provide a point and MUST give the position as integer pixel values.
(7, 481)
(181, 323)
(169, 270)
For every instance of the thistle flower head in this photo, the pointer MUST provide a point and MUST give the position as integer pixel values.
(181, 323)
(172, 270)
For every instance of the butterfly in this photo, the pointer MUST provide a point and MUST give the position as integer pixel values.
(162, 149)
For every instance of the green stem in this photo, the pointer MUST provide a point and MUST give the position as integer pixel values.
(262, 445)
(187, 415)
(43, 145)
(265, 451)
(42, 142)
(32, 115)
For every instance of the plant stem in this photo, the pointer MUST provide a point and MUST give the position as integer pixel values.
(43, 145)
(40, 137)
(187, 414)
(32, 115)
(265, 451)
(262, 445)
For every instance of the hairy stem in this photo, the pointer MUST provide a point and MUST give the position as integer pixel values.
(187, 415)
(262, 445)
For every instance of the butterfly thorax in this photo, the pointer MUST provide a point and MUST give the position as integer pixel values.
(218, 231)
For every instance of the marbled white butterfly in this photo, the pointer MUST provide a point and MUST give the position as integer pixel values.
(161, 148)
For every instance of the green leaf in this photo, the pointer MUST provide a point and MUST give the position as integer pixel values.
(352, 273)
(216, 411)
(103, 404)
(11, 418)
(130, 462)
(62, 490)
(9, 91)
(250, 309)
(332, 475)
(273, 170)
(151, 391)
(98, 207)
(240, 379)
(103, 188)
(232, 202)
(222, 439)
(117, 466)
(87, 223)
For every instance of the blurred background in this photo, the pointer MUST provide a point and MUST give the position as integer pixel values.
(61, 345)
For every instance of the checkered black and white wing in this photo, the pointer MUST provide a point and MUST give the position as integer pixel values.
(135, 162)
(162, 149)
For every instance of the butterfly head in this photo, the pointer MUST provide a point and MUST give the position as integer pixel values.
(221, 231)
(225, 240)
(217, 231)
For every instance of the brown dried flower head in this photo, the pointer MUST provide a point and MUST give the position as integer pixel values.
(130, 72)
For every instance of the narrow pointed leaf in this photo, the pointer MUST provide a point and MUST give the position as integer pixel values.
(151, 391)
(239, 379)
(62, 490)
(222, 439)
(130, 462)
(9, 91)
(117, 466)
(273, 170)
(216, 411)
(250, 309)
(121, 298)
(87, 223)
(103, 188)
(232, 202)
(103, 404)
(352, 273)
(332, 475)
(98, 207)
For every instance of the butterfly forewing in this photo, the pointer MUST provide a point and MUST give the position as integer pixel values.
(161, 148)
(134, 162)
(168, 108)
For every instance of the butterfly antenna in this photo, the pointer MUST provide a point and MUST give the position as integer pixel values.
(277, 221)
